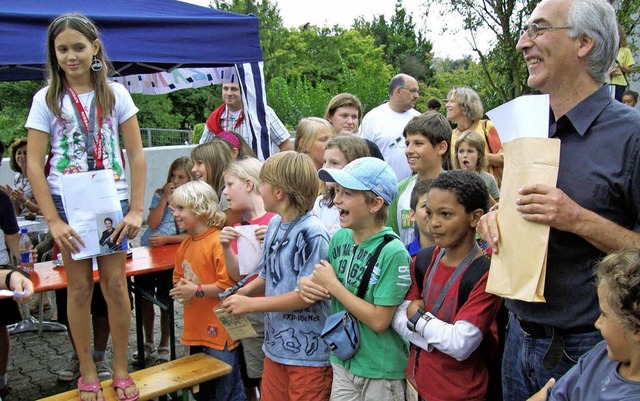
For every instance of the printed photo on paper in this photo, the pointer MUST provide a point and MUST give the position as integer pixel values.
(93, 210)
(107, 223)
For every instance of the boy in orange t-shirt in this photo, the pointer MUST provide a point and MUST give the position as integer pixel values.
(199, 276)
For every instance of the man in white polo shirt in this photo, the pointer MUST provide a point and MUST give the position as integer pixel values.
(385, 123)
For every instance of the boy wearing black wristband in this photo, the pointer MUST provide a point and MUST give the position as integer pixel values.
(447, 315)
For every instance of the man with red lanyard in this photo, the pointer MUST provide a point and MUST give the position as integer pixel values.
(230, 116)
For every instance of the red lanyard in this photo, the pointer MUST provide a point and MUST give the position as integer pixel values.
(98, 151)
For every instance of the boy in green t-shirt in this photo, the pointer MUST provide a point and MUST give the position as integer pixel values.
(365, 187)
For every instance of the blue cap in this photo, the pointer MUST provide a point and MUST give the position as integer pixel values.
(365, 174)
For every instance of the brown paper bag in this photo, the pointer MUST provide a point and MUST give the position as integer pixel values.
(518, 270)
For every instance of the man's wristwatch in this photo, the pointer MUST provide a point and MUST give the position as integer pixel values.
(199, 291)
(411, 323)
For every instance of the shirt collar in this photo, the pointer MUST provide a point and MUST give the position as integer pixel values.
(584, 113)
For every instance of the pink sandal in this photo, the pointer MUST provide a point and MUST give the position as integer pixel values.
(92, 387)
(122, 384)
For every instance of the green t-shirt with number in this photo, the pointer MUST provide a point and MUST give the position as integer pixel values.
(381, 355)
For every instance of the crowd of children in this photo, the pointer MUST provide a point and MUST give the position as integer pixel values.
(429, 292)
(328, 220)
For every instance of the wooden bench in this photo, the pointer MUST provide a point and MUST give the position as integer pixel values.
(183, 373)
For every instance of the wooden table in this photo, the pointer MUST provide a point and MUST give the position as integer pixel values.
(47, 276)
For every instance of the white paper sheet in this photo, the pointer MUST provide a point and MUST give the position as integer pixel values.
(89, 198)
(13, 294)
(523, 117)
(249, 249)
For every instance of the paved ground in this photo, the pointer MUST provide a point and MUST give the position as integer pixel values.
(34, 359)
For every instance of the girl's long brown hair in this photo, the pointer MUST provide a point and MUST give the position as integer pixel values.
(57, 80)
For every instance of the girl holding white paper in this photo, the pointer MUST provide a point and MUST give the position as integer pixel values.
(242, 184)
(81, 115)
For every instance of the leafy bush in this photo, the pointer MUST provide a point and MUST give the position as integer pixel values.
(198, 130)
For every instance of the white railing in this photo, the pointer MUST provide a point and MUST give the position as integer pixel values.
(165, 137)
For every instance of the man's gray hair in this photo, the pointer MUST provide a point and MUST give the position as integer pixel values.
(597, 20)
(395, 83)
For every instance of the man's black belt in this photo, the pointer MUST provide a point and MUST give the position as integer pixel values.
(556, 348)
(537, 330)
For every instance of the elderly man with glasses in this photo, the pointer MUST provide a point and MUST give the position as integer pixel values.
(569, 47)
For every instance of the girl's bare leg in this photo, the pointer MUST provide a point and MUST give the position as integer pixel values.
(114, 288)
(80, 291)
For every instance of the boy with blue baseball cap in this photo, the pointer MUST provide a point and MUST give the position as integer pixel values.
(365, 188)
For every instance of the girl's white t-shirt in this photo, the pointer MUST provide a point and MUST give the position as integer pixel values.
(330, 216)
(69, 144)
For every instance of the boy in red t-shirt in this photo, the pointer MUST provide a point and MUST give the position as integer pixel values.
(451, 335)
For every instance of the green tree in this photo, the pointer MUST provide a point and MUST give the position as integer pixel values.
(628, 12)
(321, 62)
(319, 54)
(195, 105)
(405, 48)
(156, 111)
(502, 67)
(271, 29)
(450, 74)
(14, 108)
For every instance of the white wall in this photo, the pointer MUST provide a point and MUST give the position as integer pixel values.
(158, 161)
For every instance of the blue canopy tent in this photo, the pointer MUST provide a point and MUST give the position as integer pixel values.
(156, 46)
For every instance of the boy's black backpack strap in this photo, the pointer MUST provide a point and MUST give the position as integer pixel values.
(423, 260)
(364, 282)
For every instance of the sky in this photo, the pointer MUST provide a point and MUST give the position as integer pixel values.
(452, 45)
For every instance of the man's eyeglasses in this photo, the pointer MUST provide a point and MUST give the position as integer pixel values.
(534, 29)
(414, 91)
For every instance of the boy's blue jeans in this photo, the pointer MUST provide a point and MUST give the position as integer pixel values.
(522, 371)
(225, 388)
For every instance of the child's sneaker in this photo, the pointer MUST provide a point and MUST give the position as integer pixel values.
(103, 370)
(71, 372)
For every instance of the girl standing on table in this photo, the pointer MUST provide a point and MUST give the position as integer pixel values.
(81, 114)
